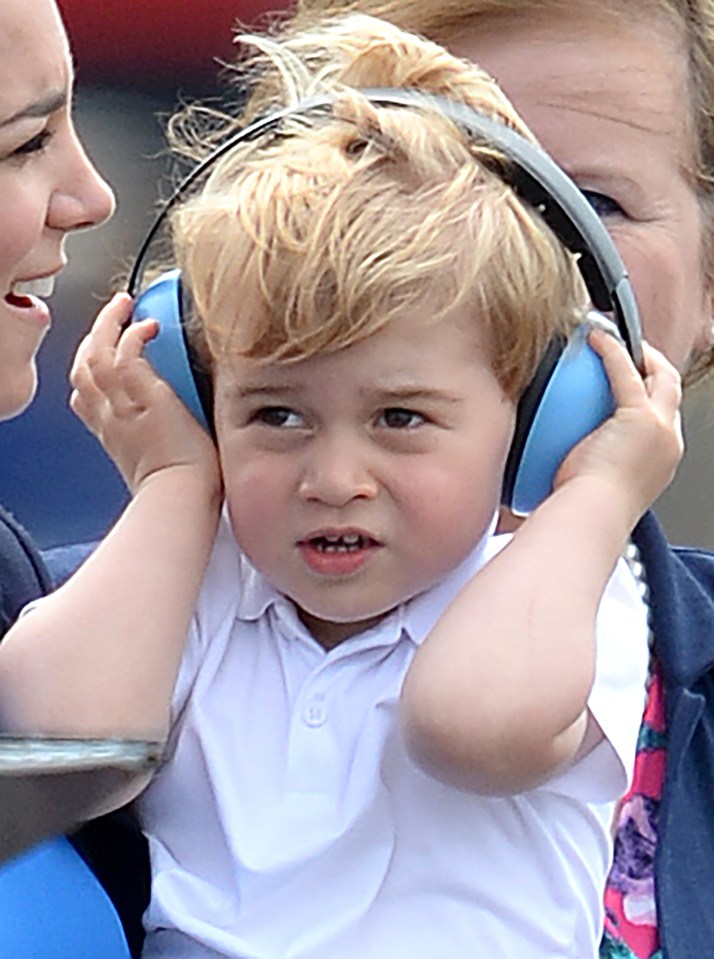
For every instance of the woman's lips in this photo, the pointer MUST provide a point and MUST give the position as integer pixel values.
(30, 309)
(26, 299)
(21, 301)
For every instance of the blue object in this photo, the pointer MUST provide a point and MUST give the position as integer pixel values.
(576, 401)
(53, 907)
(168, 352)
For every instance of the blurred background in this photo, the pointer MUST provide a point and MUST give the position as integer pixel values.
(136, 61)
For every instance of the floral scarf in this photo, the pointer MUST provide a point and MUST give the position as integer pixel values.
(630, 911)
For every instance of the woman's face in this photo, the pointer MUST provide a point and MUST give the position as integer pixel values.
(608, 102)
(48, 187)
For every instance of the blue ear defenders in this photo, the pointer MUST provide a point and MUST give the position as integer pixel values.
(568, 397)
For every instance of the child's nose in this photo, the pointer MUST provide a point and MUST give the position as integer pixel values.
(336, 472)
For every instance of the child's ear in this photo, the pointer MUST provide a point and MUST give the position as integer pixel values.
(171, 353)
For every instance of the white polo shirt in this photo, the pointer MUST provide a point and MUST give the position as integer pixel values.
(290, 823)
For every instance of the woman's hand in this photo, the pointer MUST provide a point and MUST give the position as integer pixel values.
(136, 416)
(636, 451)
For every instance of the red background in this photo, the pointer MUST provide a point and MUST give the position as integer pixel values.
(163, 41)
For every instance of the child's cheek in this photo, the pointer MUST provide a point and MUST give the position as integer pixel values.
(258, 497)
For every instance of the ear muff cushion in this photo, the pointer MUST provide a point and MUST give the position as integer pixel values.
(576, 400)
(168, 353)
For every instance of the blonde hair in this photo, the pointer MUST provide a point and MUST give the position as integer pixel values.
(690, 21)
(314, 238)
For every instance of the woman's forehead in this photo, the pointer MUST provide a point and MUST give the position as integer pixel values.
(598, 72)
(34, 56)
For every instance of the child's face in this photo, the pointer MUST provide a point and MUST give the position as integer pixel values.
(359, 479)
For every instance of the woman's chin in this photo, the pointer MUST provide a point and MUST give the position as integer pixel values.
(17, 395)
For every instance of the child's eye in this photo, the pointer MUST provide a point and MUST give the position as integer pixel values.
(603, 205)
(35, 144)
(278, 416)
(396, 418)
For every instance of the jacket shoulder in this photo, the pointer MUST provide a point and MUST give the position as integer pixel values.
(23, 575)
(681, 600)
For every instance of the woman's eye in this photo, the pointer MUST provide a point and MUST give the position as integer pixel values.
(396, 418)
(602, 204)
(278, 416)
(34, 145)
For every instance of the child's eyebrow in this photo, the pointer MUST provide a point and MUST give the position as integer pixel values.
(257, 391)
(385, 393)
(417, 394)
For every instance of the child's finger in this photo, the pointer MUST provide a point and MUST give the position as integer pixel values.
(103, 335)
(119, 368)
(87, 401)
(134, 338)
(628, 388)
(110, 321)
(662, 381)
(132, 371)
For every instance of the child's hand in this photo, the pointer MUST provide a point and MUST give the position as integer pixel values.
(637, 450)
(136, 416)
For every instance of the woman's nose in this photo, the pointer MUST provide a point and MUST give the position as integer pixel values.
(82, 198)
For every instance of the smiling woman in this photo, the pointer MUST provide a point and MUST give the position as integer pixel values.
(48, 186)
(48, 189)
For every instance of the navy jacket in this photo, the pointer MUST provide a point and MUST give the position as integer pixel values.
(23, 575)
(681, 600)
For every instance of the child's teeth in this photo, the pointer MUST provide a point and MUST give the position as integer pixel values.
(41, 287)
(340, 544)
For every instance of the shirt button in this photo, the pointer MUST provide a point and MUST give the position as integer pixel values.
(314, 714)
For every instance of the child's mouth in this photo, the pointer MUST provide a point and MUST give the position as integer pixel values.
(350, 543)
(337, 555)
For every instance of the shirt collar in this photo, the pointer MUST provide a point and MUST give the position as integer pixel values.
(414, 618)
(257, 595)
